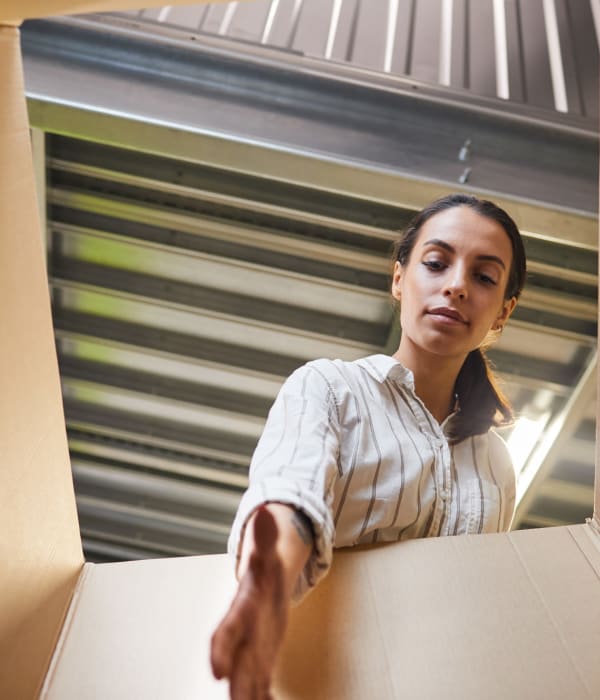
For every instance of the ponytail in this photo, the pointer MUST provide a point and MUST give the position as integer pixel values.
(481, 403)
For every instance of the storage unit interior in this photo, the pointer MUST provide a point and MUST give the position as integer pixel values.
(220, 188)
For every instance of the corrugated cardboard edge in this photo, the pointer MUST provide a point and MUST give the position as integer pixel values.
(588, 542)
(594, 527)
(65, 629)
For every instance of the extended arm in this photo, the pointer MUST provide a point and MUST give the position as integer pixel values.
(276, 546)
(280, 546)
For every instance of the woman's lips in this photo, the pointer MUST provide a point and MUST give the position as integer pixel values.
(445, 314)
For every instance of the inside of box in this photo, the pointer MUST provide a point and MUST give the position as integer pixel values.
(481, 616)
(41, 549)
(40, 546)
(142, 629)
(494, 616)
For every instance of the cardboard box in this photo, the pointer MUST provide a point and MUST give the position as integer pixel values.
(492, 616)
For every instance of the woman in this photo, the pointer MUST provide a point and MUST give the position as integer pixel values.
(384, 448)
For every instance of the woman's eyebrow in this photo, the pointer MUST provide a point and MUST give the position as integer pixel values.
(446, 246)
(493, 258)
(440, 244)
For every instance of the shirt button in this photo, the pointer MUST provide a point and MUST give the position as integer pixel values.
(445, 494)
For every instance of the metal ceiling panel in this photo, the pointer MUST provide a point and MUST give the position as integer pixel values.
(151, 335)
(528, 51)
(217, 215)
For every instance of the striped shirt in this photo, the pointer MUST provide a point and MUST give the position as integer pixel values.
(352, 446)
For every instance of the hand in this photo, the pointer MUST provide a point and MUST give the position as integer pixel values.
(244, 646)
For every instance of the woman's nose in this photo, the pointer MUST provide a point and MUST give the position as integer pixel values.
(456, 287)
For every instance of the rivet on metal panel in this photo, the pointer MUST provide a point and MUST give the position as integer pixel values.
(465, 151)
(464, 178)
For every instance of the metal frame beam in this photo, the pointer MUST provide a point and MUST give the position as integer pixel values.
(556, 436)
(396, 147)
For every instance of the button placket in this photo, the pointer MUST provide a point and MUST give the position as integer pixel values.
(438, 444)
(438, 504)
(445, 490)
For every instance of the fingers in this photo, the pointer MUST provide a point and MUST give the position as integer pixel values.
(248, 681)
(244, 645)
(225, 642)
(241, 682)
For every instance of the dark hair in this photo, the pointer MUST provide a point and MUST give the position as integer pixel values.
(481, 402)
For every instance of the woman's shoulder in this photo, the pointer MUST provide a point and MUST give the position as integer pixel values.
(498, 451)
(334, 370)
(338, 378)
(497, 442)
(346, 376)
(345, 381)
(376, 367)
(321, 367)
(334, 376)
(316, 376)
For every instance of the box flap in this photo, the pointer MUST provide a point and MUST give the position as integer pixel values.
(12, 11)
(464, 618)
(142, 630)
(490, 616)
(40, 549)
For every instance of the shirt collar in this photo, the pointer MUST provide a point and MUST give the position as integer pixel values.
(382, 367)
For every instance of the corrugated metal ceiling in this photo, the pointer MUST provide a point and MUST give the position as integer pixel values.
(535, 52)
(192, 268)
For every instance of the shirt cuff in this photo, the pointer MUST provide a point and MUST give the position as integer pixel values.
(281, 490)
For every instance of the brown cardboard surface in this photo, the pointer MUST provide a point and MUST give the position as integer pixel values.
(142, 630)
(491, 616)
(40, 551)
(12, 11)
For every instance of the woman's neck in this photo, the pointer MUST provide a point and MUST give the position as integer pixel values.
(435, 378)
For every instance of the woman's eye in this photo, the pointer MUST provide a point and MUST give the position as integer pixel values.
(486, 279)
(434, 265)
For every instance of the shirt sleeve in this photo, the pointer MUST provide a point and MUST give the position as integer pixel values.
(296, 463)
(502, 464)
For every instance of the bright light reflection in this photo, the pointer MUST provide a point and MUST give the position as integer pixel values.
(524, 437)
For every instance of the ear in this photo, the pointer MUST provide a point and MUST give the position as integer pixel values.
(508, 307)
(397, 281)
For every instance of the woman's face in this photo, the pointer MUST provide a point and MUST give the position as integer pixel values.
(452, 288)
